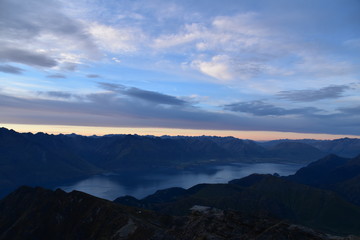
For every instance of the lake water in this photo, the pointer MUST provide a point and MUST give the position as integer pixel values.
(140, 185)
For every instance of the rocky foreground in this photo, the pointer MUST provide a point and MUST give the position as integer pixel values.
(37, 213)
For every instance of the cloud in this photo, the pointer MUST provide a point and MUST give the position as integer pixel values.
(320, 65)
(93, 76)
(57, 75)
(246, 24)
(256, 44)
(111, 109)
(227, 68)
(113, 87)
(98, 109)
(222, 33)
(189, 34)
(219, 67)
(40, 34)
(153, 96)
(352, 111)
(26, 57)
(69, 66)
(148, 96)
(260, 108)
(116, 39)
(238, 47)
(181, 42)
(57, 94)
(309, 95)
(116, 60)
(11, 69)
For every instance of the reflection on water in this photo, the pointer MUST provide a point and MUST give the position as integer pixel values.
(111, 186)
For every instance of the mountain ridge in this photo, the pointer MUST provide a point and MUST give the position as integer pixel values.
(44, 159)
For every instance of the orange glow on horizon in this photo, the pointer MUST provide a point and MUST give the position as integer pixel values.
(92, 130)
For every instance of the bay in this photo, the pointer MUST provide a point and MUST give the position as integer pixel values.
(141, 184)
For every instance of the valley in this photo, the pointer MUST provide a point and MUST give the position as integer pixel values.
(142, 183)
(66, 160)
(240, 186)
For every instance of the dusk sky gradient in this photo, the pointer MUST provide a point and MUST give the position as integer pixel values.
(232, 66)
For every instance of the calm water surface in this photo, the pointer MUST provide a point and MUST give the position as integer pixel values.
(139, 185)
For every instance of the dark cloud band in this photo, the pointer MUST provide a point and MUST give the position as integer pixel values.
(260, 108)
(11, 69)
(149, 96)
(26, 57)
(314, 95)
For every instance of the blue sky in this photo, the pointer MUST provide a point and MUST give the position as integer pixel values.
(275, 65)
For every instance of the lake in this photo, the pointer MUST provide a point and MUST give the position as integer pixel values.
(140, 185)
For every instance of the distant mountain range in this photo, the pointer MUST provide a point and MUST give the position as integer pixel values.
(47, 160)
(345, 147)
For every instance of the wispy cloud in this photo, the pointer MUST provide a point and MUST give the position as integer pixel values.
(149, 96)
(224, 33)
(93, 76)
(57, 94)
(260, 108)
(153, 96)
(310, 95)
(227, 68)
(11, 69)
(352, 111)
(31, 58)
(116, 39)
(57, 75)
(38, 34)
(321, 65)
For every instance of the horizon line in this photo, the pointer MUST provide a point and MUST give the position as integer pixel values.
(159, 132)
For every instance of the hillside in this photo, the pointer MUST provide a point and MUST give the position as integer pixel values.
(294, 150)
(262, 195)
(38, 159)
(338, 174)
(37, 213)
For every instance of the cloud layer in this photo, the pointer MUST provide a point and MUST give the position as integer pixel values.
(260, 108)
(235, 65)
(39, 34)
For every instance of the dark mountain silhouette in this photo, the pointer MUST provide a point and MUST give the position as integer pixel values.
(338, 174)
(325, 195)
(46, 160)
(36, 213)
(261, 195)
(38, 159)
(302, 152)
(50, 160)
(345, 147)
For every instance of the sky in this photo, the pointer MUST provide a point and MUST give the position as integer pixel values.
(250, 68)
